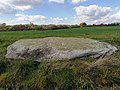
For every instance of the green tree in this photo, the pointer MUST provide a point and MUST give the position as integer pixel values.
(83, 24)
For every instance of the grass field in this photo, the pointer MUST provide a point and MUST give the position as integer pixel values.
(70, 74)
(106, 32)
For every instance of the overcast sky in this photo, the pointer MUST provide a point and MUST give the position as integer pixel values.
(59, 11)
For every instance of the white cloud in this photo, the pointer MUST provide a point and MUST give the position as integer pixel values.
(62, 1)
(77, 1)
(57, 1)
(29, 18)
(57, 20)
(91, 13)
(23, 8)
(11, 6)
(116, 16)
(6, 8)
(22, 2)
(24, 19)
(109, 18)
(65, 18)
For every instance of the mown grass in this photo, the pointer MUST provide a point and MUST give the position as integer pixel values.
(61, 75)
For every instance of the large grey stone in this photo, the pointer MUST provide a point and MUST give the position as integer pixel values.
(58, 48)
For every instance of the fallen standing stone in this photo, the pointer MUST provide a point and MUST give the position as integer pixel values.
(58, 48)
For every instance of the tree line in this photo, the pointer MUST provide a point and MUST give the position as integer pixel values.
(109, 24)
(31, 26)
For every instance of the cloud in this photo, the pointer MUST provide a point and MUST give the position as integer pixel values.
(91, 13)
(62, 1)
(12, 6)
(116, 16)
(23, 8)
(24, 19)
(57, 20)
(77, 1)
(36, 19)
(6, 8)
(22, 2)
(57, 1)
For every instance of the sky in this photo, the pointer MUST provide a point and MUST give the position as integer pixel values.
(59, 11)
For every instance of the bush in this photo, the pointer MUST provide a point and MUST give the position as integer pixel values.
(83, 24)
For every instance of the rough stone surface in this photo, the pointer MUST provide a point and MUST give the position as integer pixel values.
(58, 48)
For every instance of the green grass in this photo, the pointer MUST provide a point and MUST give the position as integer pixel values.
(61, 75)
(105, 32)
